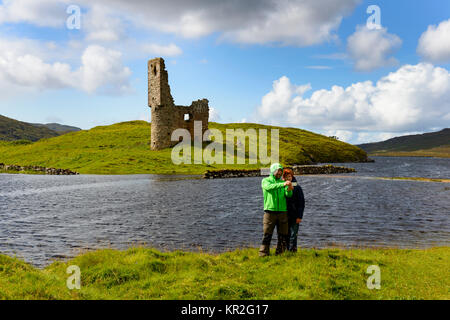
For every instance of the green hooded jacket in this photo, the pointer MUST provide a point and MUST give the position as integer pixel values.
(274, 191)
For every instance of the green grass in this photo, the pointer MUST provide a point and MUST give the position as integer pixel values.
(124, 148)
(143, 273)
(438, 152)
(415, 179)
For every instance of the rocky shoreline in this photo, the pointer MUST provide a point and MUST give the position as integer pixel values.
(37, 169)
(298, 170)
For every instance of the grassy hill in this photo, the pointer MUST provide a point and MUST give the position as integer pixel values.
(11, 130)
(124, 148)
(434, 144)
(144, 273)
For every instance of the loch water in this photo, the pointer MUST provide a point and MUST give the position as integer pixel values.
(44, 217)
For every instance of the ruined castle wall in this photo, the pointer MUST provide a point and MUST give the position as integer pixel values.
(160, 101)
(195, 112)
(166, 117)
(200, 112)
(158, 84)
(161, 128)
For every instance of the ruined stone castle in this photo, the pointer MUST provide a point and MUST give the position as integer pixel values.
(166, 116)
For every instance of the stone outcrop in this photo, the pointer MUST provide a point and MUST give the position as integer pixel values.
(325, 169)
(166, 116)
(227, 173)
(37, 169)
(298, 170)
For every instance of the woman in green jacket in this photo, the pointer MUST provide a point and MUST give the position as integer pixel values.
(275, 192)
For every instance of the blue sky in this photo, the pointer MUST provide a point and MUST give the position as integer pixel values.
(290, 63)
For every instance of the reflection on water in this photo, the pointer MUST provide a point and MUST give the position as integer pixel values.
(44, 217)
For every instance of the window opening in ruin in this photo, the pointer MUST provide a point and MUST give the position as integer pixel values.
(187, 116)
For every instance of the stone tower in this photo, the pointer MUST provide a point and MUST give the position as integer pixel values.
(166, 116)
(161, 102)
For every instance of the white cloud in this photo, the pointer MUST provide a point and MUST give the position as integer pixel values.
(371, 48)
(343, 135)
(297, 22)
(279, 99)
(15, 46)
(48, 13)
(301, 23)
(367, 137)
(287, 22)
(101, 69)
(434, 44)
(214, 114)
(415, 98)
(170, 50)
(101, 24)
(19, 68)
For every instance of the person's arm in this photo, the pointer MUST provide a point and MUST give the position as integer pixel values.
(269, 185)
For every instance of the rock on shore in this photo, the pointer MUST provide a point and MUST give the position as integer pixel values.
(38, 169)
(298, 170)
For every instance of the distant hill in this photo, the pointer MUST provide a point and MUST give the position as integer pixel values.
(427, 144)
(124, 148)
(60, 128)
(11, 130)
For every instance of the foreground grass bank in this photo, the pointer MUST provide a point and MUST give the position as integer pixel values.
(140, 273)
(124, 148)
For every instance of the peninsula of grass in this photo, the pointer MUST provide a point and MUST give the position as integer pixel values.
(415, 179)
(143, 273)
(437, 152)
(124, 148)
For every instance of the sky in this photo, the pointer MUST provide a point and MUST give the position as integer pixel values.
(363, 71)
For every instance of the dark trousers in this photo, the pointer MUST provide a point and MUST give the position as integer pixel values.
(270, 221)
(292, 236)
